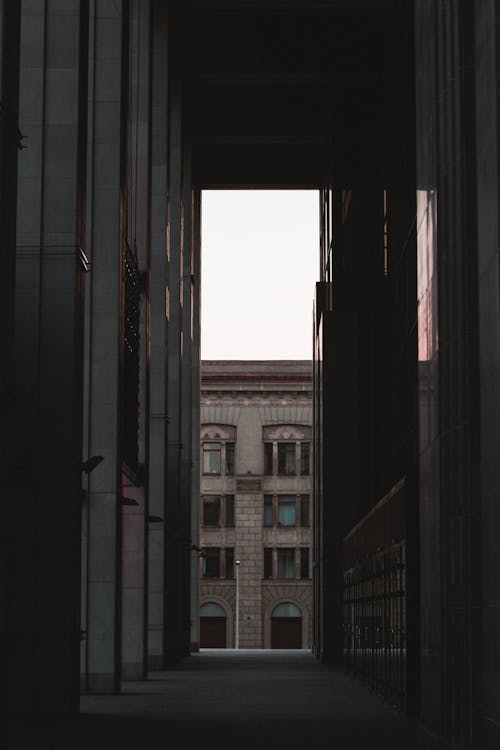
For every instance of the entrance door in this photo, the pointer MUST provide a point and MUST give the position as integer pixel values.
(212, 626)
(286, 626)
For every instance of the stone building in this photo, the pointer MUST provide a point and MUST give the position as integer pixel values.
(255, 504)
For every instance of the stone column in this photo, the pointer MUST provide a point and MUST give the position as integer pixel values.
(174, 541)
(44, 419)
(159, 300)
(487, 92)
(184, 562)
(249, 552)
(106, 168)
(195, 412)
(134, 543)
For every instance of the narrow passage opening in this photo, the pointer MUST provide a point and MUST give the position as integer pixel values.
(254, 517)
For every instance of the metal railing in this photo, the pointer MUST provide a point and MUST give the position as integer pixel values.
(374, 602)
(375, 622)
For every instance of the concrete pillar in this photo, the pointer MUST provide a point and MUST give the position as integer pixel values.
(9, 145)
(44, 420)
(487, 90)
(174, 541)
(159, 300)
(195, 416)
(134, 543)
(186, 406)
(102, 656)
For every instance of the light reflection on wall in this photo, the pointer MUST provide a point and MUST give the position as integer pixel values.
(427, 275)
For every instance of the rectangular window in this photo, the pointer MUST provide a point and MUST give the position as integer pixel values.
(286, 510)
(286, 458)
(286, 562)
(268, 459)
(268, 510)
(229, 560)
(304, 562)
(211, 510)
(211, 458)
(229, 458)
(211, 562)
(229, 499)
(304, 510)
(305, 452)
(268, 562)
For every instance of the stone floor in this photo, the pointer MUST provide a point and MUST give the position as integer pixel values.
(281, 700)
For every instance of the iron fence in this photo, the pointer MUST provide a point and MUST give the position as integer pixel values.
(375, 621)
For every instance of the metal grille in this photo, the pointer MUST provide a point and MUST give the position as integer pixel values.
(375, 621)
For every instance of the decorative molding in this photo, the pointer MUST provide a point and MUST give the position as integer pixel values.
(252, 398)
(217, 432)
(247, 484)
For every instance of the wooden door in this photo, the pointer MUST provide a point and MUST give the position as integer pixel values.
(213, 632)
(286, 632)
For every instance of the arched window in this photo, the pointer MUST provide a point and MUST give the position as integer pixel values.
(211, 609)
(286, 609)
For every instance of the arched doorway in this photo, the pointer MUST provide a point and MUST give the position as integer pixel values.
(286, 626)
(212, 626)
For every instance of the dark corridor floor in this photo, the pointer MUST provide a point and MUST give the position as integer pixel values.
(281, 700)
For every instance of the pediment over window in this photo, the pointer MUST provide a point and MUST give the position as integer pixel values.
(286, 432)
(218, 432)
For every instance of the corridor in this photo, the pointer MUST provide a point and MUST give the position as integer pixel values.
(232, 699)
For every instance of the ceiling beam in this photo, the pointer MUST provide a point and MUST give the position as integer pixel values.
(325, 80)
(282, 5)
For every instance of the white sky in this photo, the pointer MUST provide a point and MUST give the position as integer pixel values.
(260, 263)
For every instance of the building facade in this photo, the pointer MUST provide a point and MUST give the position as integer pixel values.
(255, 505)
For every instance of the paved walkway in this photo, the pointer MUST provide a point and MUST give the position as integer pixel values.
(276, 700)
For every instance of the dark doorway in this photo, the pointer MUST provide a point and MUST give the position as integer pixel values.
(286, 626)
(212, 626)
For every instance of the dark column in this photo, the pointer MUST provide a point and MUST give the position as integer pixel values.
(136, 372)
(187, 322)
(175, 544)
(487, 91)
(107, 129)
(45, 415)
(195, 417)
(158, 340)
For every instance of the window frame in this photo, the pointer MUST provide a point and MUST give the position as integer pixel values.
(268, 564)
(229, 511)
(281, 504)
(288, 448)
(305, 453)
(280, 552)
(208, 500)
(305, 563)
(229, 457)
(206, 451)
(268, 458)
(212, 554)
(268, 503)
(305, 515)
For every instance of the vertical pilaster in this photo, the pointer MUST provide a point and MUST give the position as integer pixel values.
(136, 323)
(195, 411)
(487, 92)
(187, 281)
(105, 299)
(159, 314)
(175, 544)
(45, 422)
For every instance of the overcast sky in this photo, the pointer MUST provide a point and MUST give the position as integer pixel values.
(259, 267)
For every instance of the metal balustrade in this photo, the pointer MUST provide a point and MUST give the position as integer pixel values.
(375, 622)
